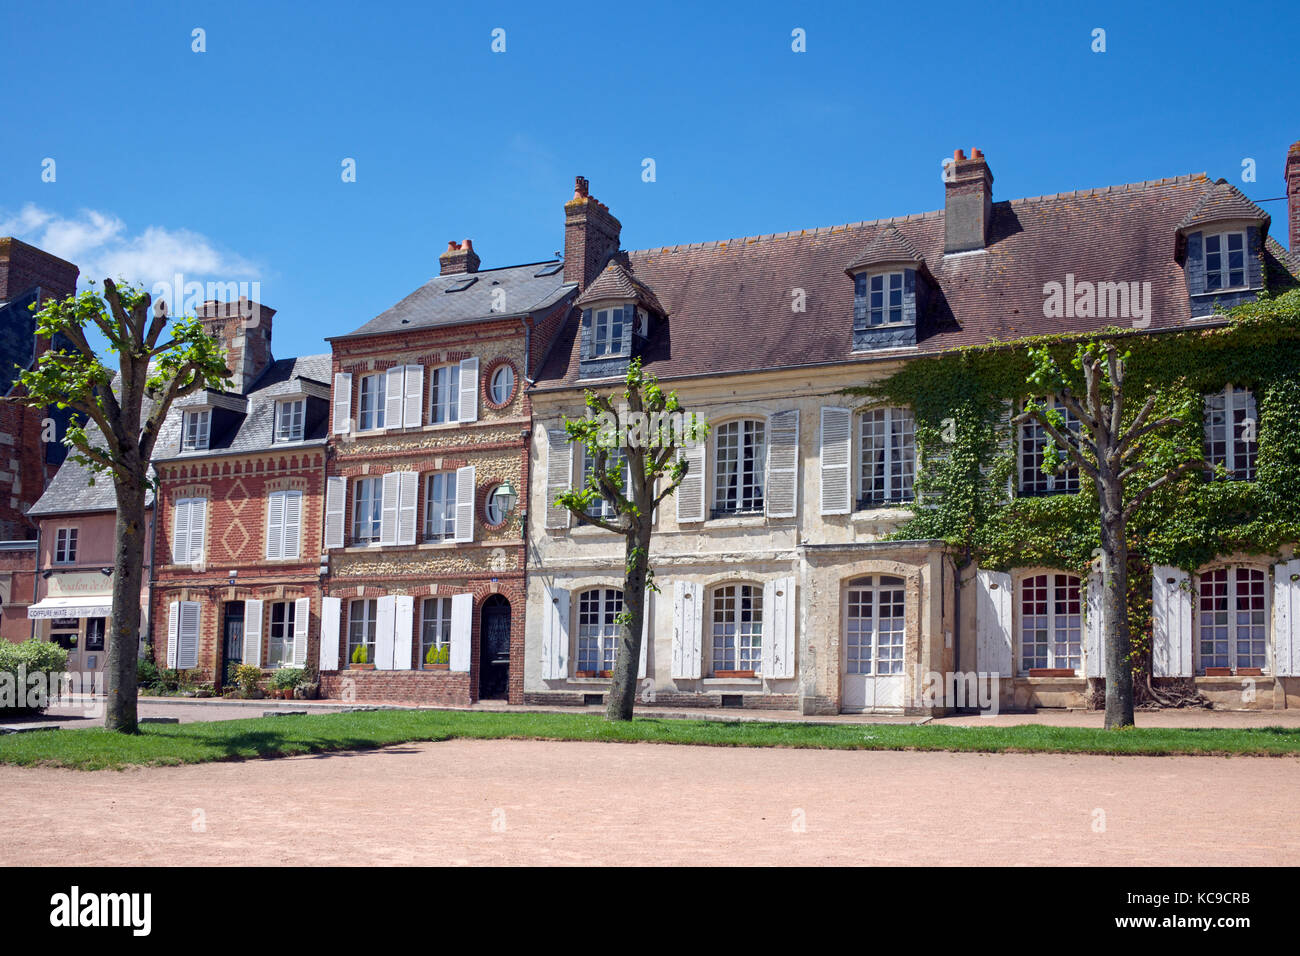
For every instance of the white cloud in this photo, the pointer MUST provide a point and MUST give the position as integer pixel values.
(100, 244)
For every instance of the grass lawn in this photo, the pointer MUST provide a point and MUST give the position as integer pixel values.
(162, 744)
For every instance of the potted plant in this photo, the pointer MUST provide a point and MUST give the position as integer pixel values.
(359, 659)
(438, 658)
(285, 680)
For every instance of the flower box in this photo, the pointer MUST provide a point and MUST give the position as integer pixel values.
(733, 673)
(1051, 672)
(1250, 672)
(437, 667)
(1218, 672)
(594, 673)
(361, 667)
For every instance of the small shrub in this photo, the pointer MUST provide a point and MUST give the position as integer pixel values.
(146, 672)
(247, 676)
(359, 655)
(286, 678)
(32, 657)
(438, 655)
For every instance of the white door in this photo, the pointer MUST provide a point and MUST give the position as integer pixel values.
(873, 644)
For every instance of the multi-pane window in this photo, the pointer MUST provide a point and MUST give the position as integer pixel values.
(738, 478)
(1033, 446)
(440, 506)
(367, 508)
(598, 612)
(1051, 622)
(503, 384)
(607, 331)
(1225, 261)
(370, 413)
(196, 428)
(1230, 438)
(874, 625)
(444, 394)
(279, 652)
(737, 628)
(361, 628)
(885, 298)
(65, 546)
(888, 456)
(615, 461)
(289, 419)
(435, 626)
(1231, 605)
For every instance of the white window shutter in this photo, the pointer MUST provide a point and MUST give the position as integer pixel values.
(555, 634)
(688, 635)
(778, 628)
(403, 631)
(559, 475)
(292, 524)
(198, 527)
(413, 416)
(394, 396)
(408, 500)
(301, 626)
(782, 489)
(385, 614)
(993, 633)
(275, 526)
(647, 634)
(690, 493)
(388, 509)
(181, 532)
(331, 610)
(465, 504)
(342, 403)
(336, 494)
(187, 652)
(173, 633)
(1171, 623)
(836, 446)
(1286, 619)
(1094, 657)
(253, 632)
(462, 625)
(468, 411)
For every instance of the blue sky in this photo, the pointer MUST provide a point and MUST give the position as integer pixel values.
(226, 164)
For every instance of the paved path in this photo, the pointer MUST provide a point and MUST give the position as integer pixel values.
(535, 802)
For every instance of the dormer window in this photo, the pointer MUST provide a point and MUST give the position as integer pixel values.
(196, 430)
(885, 302)
(289, 418)
(607, 332)
(1225, 261)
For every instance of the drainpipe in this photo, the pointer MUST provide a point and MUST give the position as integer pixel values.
(36, 574)
(528, 337)
(151, 520)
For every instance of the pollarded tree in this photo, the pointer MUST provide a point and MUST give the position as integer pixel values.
(123, 412)
(631, 449)
(1127, 459)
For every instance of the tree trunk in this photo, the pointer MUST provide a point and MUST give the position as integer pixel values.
(622, 689)
(124, 626)
(1114, 613)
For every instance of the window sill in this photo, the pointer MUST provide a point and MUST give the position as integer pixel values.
(732, 681)
(737, 520)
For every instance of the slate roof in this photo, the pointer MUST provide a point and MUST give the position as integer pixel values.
(729, 302)
(616, 282)
(1221, 202)
(433, 304)
(890, 245)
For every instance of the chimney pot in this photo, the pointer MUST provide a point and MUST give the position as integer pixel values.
(976, 154)
(957, 154)
(459, 258)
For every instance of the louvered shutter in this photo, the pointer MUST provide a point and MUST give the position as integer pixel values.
(462, 623)
(465, 504)
(408, 500)
(555, 634)
(301, 625)
(836, 444)
(331, 611)
(173, 632)
(292, 524)
(413, 415)
(993, 629)
(403, 631)
(782, 488)
(778, 628)
(688, 635)
(385, 614)
(647, 634)
(1171, 623)
(187, 652)
(253, 613)
(468, 410)
(394, 396)
(336, 494)
(181, 532)
(275, 526)
(388, 509)
(690, 493)
(1095, 647)
(198, 528)
(1286, 619)
(342, 403)
(559, 475)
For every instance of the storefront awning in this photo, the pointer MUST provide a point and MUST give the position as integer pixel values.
(91, 606)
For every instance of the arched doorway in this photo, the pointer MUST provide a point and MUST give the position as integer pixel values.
(494, 649)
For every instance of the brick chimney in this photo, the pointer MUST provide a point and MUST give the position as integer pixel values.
(967, 202)
(591, 236)
(24, 267)
(243, 328)
(459, 258)
(1292, 199)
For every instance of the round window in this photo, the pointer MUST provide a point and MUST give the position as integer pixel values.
(503, 384)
